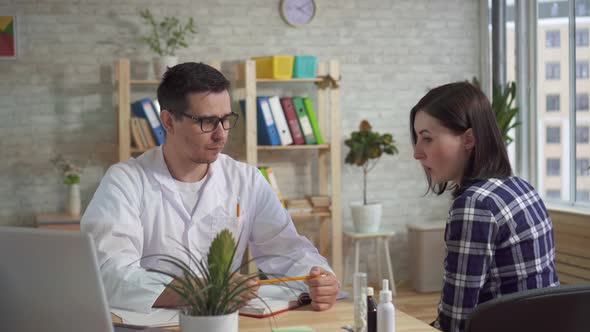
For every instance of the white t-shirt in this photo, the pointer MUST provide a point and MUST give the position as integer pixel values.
(190, 192)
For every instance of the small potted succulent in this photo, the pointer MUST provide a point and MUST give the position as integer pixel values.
(366, 148)
(165, 38)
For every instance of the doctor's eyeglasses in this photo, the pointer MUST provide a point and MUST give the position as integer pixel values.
(210, 123)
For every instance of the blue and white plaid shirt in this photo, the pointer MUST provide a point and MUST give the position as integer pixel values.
(499, 240)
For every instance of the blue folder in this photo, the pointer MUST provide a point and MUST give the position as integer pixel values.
(267, 130)
(145, 109)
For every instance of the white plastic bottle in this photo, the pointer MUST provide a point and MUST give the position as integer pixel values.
(385, 310)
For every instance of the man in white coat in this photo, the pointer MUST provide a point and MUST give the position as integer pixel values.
(183, 193)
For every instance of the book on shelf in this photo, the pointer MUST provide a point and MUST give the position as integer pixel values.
(266, 127)
(280, 120)
(303, 119)
(268, 173)
(298, 205)
(312, 120)
(137, 138)
(147, 132)
(319, 201)
(292, 121)
(144, 108)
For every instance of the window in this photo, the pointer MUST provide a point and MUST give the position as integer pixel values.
(582, 135)
(582, 69)
(582, 165)
(552, 101)
(552, 70)
(582, 37)
(553, 166)
(553, 135)
(552, 38)
(582, 101)
(583, 195)
(553, 194)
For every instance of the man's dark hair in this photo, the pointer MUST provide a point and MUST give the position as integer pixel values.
(458, 107)
(185, 78)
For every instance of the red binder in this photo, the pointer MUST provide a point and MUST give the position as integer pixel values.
(292, 121)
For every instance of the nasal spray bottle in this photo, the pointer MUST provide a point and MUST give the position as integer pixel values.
(385, 310)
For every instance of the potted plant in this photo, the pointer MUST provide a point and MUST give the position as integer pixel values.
(71, 172)
(502, 105)
(366, 148)
(210, 290)
(165, 38)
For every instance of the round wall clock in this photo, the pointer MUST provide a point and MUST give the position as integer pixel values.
(298, 12)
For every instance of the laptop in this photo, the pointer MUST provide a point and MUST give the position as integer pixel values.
(50, 281)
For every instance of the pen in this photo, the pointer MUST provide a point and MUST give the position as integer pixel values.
(238, 208)
(269, 281)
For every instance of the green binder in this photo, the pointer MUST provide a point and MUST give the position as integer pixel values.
(304, 122)
(314, 123)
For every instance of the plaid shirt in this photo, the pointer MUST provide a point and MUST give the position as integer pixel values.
(499, 240)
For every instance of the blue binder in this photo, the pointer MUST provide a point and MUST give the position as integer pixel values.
(145, 109)
(267, 130)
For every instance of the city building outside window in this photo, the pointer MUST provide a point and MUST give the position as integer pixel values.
(552, 101)
(582, 101)
(552, 70)
(583, 195)
(553, 135)
(582, 69)
(582, 135)
(553, 166)
(552, 39)
(582, 165)
(582, 37)
(553, 194)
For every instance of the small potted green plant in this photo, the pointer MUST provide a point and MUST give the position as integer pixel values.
(165, 38)
(71, 172)
(366, 148)
(211, 290)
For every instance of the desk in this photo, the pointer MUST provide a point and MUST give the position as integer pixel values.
(326, 321)
(58, 221)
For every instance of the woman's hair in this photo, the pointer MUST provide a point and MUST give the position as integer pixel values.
(460, 106)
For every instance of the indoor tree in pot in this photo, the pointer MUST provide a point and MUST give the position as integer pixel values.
(165, 38)
(211, 290)
(366, 147)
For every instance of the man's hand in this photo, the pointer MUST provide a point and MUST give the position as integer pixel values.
(251, 284)
(323, 290)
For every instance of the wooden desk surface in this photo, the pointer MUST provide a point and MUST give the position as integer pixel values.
(325, 321)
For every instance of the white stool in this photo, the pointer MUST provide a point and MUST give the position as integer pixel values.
(379, 237)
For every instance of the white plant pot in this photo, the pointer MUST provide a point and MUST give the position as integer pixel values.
(73, 204)
(162, 64)
(366, 218)
(224, 323)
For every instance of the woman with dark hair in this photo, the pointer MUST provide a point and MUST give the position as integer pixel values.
(499, 237)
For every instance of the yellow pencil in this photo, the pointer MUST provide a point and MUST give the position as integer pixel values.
(269, 281)
(238, 209)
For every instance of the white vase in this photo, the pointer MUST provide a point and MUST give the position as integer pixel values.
(73, 203)
(224, 323)
(366, 218)
(162, 64)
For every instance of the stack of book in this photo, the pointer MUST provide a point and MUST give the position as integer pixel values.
(301, 205)
(320, 204)
(146, 129)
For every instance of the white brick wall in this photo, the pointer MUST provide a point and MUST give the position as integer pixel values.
(58, 96)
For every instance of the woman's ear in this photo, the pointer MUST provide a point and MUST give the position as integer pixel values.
(167, 120)
(468, 139)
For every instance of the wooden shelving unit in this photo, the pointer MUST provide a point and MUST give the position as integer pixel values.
(329, 154)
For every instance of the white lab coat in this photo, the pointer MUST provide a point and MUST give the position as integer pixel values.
(137, 211)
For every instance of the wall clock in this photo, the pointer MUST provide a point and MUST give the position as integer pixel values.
(298, 12)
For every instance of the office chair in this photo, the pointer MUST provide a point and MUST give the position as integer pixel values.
(554, 309)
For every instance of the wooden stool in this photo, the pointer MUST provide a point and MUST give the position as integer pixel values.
(379, 237)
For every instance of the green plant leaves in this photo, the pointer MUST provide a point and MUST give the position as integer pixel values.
(167, 36)
(220, 256)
